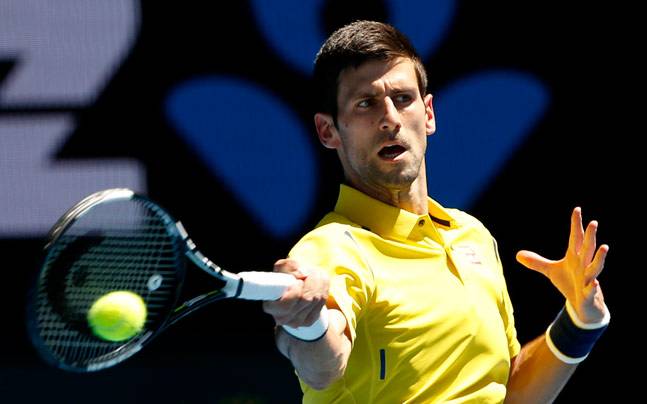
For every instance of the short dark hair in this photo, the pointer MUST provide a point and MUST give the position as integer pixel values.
(353, 45)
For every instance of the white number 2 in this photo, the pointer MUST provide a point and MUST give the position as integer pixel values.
(63, 53)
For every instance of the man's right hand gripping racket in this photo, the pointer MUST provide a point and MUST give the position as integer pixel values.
(117, 240)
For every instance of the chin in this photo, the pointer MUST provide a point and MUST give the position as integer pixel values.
(398, 179)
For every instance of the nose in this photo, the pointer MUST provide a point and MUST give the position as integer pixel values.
(391, 119)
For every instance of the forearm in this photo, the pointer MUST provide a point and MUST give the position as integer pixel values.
(321, 362)
(537, 376)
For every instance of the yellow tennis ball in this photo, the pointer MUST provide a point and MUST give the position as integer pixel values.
(117, 316)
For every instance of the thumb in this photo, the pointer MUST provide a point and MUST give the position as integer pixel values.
(290, 266)
(533, 261)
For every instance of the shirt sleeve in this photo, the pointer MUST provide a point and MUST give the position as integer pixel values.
(331, 249)
(508, 320)
(507, 312)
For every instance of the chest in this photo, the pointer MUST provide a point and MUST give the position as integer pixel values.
(436, 291)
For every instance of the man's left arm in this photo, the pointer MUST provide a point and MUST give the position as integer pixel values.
(544, 365)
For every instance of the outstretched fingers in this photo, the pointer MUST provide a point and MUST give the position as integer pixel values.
(577, 232)
(594, 269)
(589, 244)
(535, 261)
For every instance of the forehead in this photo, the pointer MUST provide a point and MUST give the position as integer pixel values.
(377, 75)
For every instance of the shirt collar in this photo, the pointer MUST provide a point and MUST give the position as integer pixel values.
(385, 219)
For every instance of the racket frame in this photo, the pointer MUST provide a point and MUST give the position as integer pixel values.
(260, 286)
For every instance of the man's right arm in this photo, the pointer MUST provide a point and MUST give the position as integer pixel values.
(318, 363)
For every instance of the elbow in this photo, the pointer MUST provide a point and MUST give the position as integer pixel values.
(322, 380)
(322, 377)
(327, 375)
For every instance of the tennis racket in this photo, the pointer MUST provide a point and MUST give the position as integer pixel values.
(118, 240)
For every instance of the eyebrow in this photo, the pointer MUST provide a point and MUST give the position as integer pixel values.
(363, 93)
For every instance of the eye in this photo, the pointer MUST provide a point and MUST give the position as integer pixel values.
(403, 98)
(364, 103)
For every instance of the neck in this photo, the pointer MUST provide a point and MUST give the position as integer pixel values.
(412, 198)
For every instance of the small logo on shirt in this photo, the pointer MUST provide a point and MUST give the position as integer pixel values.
(468, 252)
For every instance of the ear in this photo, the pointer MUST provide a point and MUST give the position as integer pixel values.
(430, 122)
(326, 130)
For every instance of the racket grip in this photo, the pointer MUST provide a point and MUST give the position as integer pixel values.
(270, 286)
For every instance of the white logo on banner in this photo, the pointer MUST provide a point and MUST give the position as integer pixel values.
(63, 53)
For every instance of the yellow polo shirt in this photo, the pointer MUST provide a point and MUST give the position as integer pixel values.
(425, 299)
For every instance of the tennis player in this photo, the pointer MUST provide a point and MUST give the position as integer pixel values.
(418, 306)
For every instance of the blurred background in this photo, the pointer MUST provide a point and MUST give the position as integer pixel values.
(205, 107)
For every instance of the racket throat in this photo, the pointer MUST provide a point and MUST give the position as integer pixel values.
(230, 284)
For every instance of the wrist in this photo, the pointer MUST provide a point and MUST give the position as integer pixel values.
(570, 339)
(588, 325)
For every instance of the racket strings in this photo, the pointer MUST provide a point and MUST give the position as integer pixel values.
(121, 245)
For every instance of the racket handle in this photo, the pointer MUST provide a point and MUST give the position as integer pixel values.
(270, 286)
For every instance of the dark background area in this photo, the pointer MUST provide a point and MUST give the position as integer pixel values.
(578, 155)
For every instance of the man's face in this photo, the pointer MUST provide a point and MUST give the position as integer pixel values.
(382, 126)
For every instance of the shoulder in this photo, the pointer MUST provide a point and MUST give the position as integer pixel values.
(466, 221)
(333, 247)
(327, 237)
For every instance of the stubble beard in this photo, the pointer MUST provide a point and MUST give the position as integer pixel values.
(396, 177)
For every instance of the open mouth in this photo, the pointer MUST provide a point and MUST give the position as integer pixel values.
(391, 152)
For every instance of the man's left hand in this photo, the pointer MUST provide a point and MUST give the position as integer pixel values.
(575, 275)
